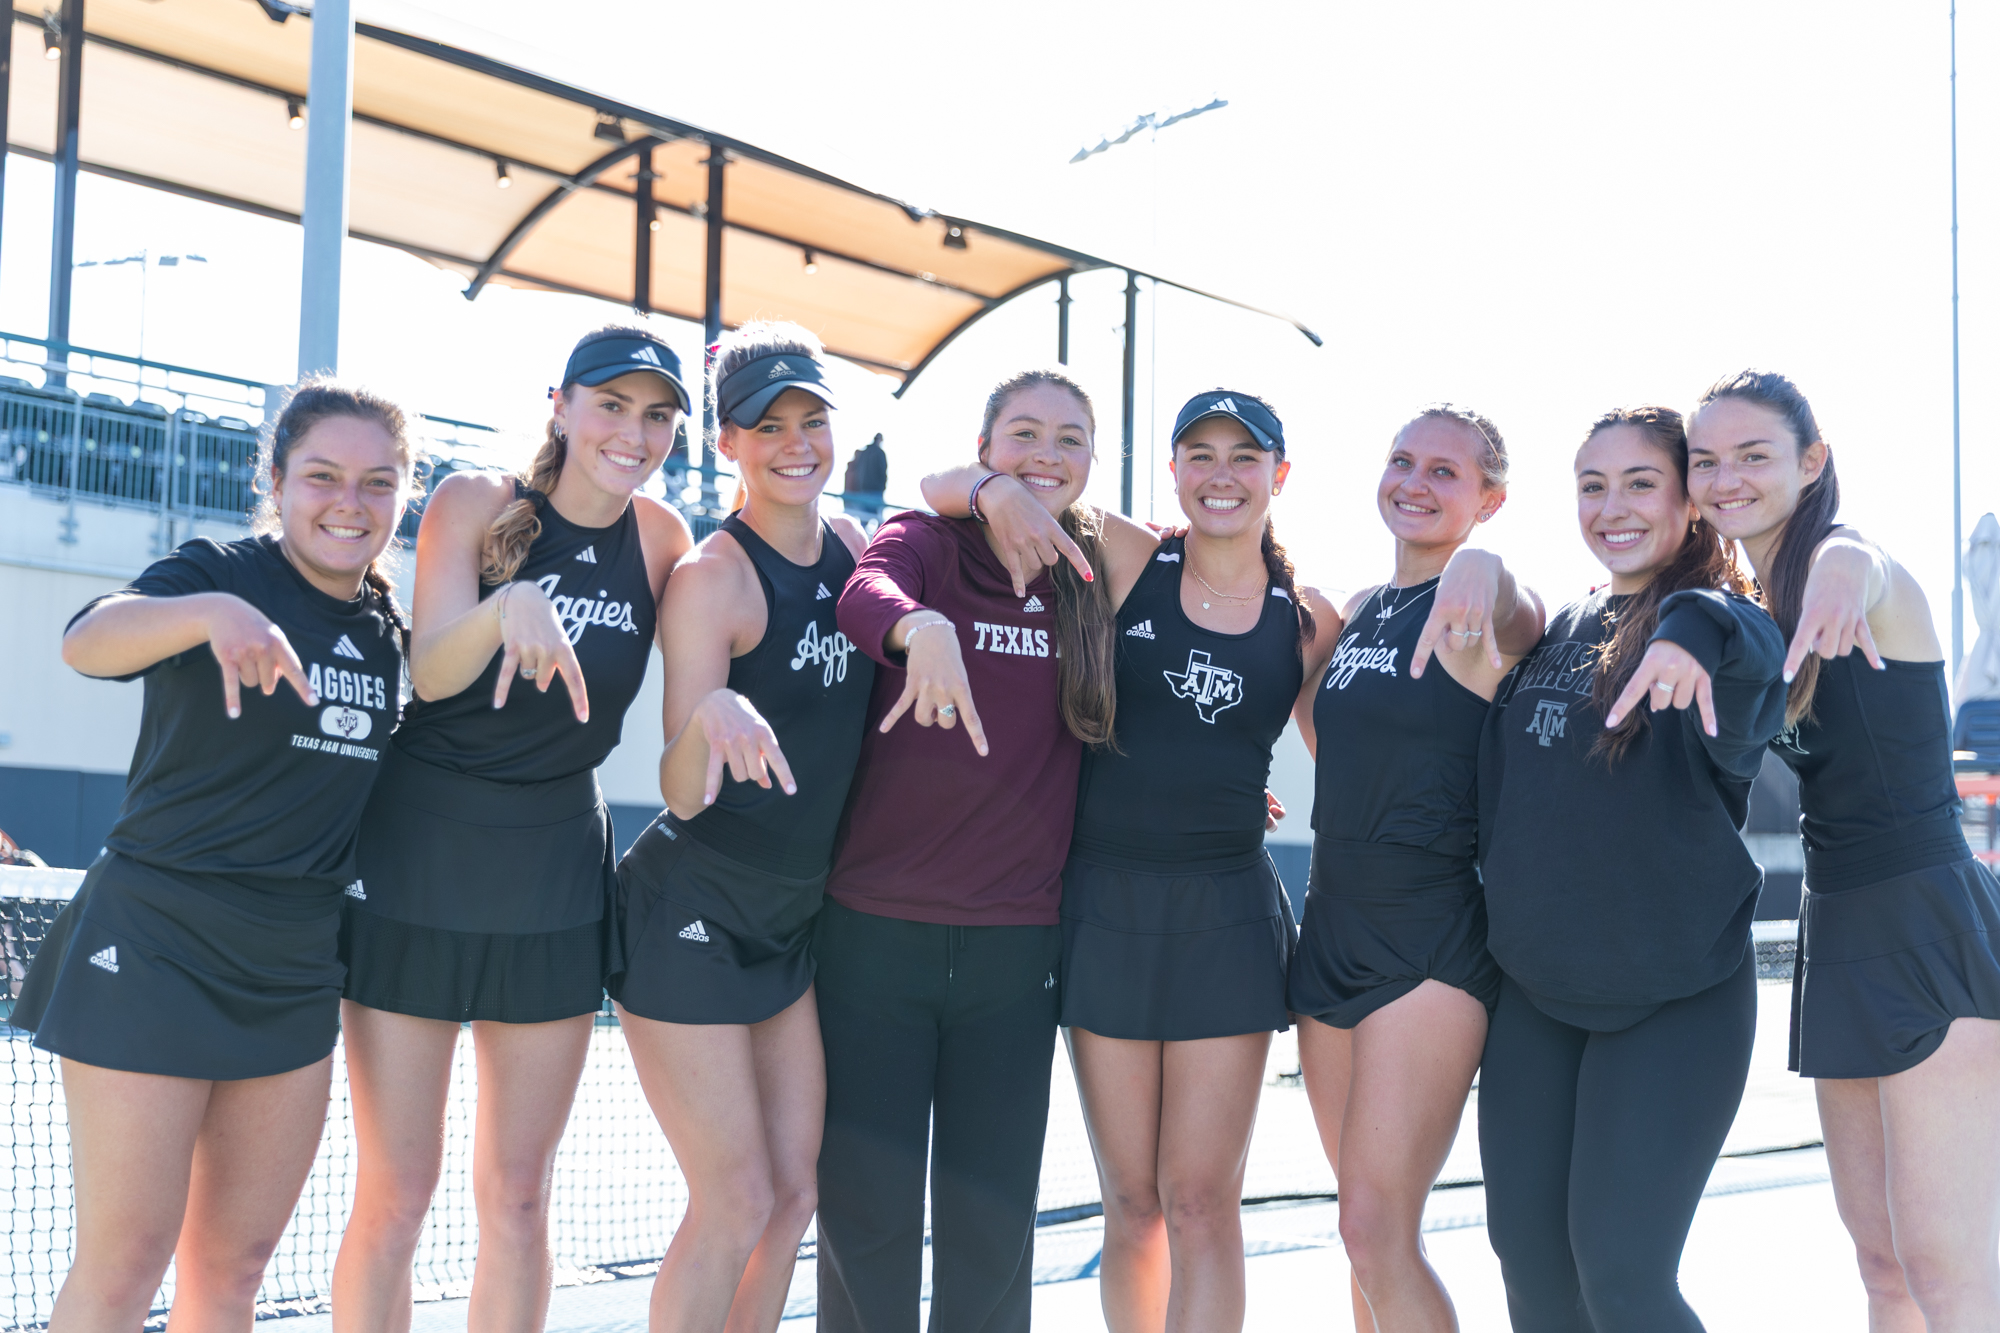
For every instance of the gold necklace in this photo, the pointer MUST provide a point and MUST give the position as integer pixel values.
(1225, 596)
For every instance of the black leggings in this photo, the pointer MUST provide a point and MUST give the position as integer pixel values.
(1597, 1146)
(939, 1043)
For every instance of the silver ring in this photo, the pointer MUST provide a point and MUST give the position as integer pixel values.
(948, 712)
(1472, 633)
(1662, 685)
(527, 673)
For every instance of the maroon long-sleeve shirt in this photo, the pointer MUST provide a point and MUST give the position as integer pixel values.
(933, 831)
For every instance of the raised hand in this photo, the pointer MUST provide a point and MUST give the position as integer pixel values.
(739, 737)
(1833, 614)
(935, 689)
(1462, 609)
(1669, 677)
(533, 642)
(1027, 536)
(252, 652)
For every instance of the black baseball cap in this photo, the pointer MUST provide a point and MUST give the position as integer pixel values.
(599, 360)
(1258, 419)
(747, 392)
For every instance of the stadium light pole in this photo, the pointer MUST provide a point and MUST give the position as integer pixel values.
(329, 133)
(68, 30)
(1154, 121)
(1957, 468)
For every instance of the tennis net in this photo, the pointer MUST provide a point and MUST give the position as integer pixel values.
(618, 1194)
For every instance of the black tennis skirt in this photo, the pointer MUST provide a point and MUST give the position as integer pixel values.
(480, 900)
(709, 939)
(1380, 920)
(1175, 955)
(1884, 968)
(195, 976)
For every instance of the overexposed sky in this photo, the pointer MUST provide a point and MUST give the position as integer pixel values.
(1543, 210)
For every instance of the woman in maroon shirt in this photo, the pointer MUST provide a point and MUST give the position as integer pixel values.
(939, 949)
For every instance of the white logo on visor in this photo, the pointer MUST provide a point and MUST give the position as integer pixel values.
(1224, 405)
(648, 355)
(350, 724)
(779, 371)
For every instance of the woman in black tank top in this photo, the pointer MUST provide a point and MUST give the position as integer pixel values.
(1176, 931)
(486, 866)
(765, 700)
(192, 985)
(1392, 983)
(1896, 988)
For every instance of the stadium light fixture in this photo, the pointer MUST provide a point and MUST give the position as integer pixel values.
(812, 263)
(295, 113)
(954, 236)
(609, 128)
(1152, 120)
(502, 178)
(51, 35)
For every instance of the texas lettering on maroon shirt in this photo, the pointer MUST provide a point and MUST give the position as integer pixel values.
(934, 831)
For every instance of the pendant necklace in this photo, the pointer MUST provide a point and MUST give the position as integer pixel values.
(1386, 613)
(1224, 596)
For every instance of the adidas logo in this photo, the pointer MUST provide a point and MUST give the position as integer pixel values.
(1142, 630)
(822, 594)
(1169, 557)
(1050, 984)
(1224, 405)
(648, 355)
(344, 647)
(355, 890)
(778, 371)
(1033, 604)
(696, 932)
(106, 958)
(588, 555)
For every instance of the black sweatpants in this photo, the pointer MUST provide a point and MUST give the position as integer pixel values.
(1596, 1148)
(938, 1038)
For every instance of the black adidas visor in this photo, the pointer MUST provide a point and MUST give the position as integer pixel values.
(606, 359)
(1256, 418)
(748, 391)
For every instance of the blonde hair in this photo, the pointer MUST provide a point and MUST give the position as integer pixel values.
(1492, 460)
(738, 348)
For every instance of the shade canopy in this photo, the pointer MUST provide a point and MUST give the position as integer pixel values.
(506, 176)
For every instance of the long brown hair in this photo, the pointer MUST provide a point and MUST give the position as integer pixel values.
(1086, 626)
(312, 400)
(514, 531)
(1784, 591)
(1704, 560)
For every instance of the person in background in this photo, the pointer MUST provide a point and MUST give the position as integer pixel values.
(485, 892)
(866, 480)
(1896, 1009)
(192, 986)
(1615, 773)
(1392, 983)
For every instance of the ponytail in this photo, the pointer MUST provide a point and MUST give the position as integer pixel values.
(515, 530)
(1278, 568)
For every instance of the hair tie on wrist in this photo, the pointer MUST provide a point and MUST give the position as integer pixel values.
(972, 501)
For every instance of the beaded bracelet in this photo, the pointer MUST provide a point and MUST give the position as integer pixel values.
(911, 632)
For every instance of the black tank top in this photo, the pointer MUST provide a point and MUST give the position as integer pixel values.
(1398, 758)
(1875, 777)
(1198, 713)
(812, 685)
(596, 579)
(276, 793)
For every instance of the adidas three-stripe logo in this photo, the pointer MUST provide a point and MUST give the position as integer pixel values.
(695, 931)
(822, 594)
(648, 355)
(106, 958)
(588, 555)
(344, 647)
(1033, 604)
(1142, 630)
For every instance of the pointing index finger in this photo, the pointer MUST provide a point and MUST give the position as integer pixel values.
(1074, 554)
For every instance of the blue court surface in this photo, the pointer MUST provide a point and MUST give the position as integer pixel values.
(1767, 1249)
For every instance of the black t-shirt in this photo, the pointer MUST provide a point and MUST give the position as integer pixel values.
(596, 580)
(277, 792)
(812, 686)
(1626, 883)
(1198, 713)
